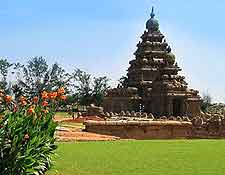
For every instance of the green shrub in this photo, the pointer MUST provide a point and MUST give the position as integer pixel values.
(27, 137)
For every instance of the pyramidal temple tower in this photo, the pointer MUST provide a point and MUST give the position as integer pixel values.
(153, 84)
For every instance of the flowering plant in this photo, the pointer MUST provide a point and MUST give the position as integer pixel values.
(27, 132)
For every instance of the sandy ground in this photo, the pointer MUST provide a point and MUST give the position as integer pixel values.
(67, 136)
(69, 132)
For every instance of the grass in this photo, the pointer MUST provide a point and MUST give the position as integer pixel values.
(63, 114)
(72, 125)
(156, 157)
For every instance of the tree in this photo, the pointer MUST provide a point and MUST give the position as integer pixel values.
(88, 90)
(82, 86)
(123, 82)
(37, 76)
(206, 102)
(101, 85)
(4, 71)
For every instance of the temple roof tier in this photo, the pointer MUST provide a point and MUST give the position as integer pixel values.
(153, 79)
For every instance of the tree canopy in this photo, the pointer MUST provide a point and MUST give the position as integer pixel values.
(89, 90)
(37, 75)
(4, 71)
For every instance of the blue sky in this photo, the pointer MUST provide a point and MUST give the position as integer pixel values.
(100, 36)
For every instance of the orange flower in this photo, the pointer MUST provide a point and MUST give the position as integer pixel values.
(15, 108)
(35, 99)
(44, 103)
(61, 91)
(44, 95)
(53, 95)
(22, 98)
(63, 97)
(23, 103)
(30, 110)
(8, 98)
(45, 111)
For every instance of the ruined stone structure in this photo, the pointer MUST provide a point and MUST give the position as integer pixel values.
(141, 129)
(133, 126)
(153, 84)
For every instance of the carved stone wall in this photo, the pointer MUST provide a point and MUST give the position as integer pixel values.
(141, 129)
(134, 125)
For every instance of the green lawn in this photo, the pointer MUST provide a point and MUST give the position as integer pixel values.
(63, 114)
(166, 157)
(72, 125)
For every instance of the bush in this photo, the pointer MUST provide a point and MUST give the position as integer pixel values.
(27, 134)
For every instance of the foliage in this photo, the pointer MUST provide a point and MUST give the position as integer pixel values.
(123, 82)
(37, 76)
(27, 133)
(157, 157)
(82, 86)
(206, 102)
(89, 90)
(100, 88)
(4, 70)
(216, 108)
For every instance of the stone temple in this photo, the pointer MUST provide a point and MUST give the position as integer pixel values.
(153, 84)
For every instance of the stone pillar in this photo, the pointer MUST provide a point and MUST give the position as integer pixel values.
(170, 107)
(112, 107)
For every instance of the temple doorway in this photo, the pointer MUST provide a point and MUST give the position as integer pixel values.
(177, 107)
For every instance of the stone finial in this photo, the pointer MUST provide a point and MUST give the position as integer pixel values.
(128, 114)
(163, 118)
(122, 113)
(151, 116)
(107, 115)
(133, 114)
(172, 118)
(179, 118)
(152, 13)
(186, 119)
(138, 114)
(152, 24)
(197, 121)
(112, 114)
(145, 115)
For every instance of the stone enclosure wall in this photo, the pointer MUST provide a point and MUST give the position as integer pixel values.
(147, 127)
(141, 129)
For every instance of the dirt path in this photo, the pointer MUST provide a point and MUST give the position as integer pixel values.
(69, 133)
(82, 136)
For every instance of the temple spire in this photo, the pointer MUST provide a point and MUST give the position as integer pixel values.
(152, 13)
(152, 24)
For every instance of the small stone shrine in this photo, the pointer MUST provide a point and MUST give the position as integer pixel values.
(153, 84)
